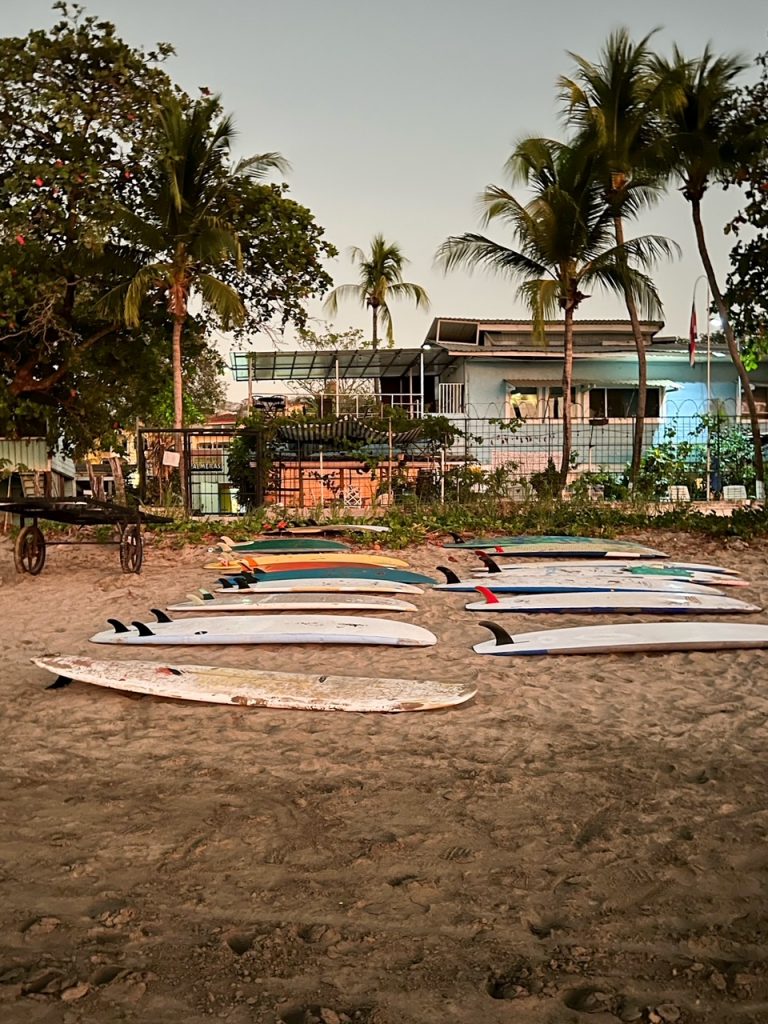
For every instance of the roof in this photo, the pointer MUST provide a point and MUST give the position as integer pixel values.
(448, 330)
(356, 364)
(346, 428)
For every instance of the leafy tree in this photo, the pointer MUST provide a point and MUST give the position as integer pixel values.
(746, 295)
(706, 143)
(381, 281)
(73, 107)
(615, 106)
(80, 170)
(566, 244)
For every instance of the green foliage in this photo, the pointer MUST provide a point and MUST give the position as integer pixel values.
(79, 170)
(746, 295)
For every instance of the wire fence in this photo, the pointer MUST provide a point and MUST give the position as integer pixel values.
(505, 458)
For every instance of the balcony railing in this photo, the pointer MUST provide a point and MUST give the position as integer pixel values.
(450, 399)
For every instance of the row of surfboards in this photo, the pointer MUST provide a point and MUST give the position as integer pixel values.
(282, 577)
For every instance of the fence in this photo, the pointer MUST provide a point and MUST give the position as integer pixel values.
(678, 452)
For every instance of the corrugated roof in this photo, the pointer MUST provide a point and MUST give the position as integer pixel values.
(355, 364)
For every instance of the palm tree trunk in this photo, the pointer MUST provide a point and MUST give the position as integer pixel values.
(642, 366)
(178, 406)
(375, 328)
(567, 380)
(733, 348)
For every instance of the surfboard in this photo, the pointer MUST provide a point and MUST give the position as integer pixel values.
(503, 583)
(570, 547)
(640, 636)
(315, 585)
(623, 602)
(602, 563)
(244, 602)
(267, 629)
(372, 572)
(598, 571)
(253, 688)
(315, 528)
(284, 545)
(273, 563)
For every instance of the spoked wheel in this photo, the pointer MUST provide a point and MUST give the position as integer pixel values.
(29, 551)
(131, 549)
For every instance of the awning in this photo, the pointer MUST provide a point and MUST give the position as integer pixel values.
(346, 428)
(353, 364)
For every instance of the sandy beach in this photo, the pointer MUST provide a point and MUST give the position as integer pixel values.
(587, 840)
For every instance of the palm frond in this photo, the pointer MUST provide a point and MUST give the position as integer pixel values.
(356, 292)
(222, 299)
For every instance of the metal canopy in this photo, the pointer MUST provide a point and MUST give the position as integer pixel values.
(353, 364)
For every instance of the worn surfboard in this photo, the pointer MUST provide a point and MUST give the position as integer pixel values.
(633, 637)
(553, 582)
(568, 547)
(257, 689)
(252, 602)
(607, 602)
(267, 629)
(274, 563)
(317, 585)
(285, 545)
(363, 572)
(635, 565)
(594, 570)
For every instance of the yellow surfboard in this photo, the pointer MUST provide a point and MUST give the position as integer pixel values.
(272, 563)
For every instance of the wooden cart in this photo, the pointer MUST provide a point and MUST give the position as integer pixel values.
(30, 548)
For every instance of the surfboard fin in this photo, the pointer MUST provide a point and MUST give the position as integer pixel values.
(490, 597)
(450, 575)
(490, 563)
(59, 683)
(227, 542)
(206, 595)
(227, 583)
(160, 615)
(143, 628)
(456, 537)
(117, 625)
(501, 635)
(196, 598)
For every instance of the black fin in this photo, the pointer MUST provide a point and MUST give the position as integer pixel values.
(456, 537)
(174, 671)
(491, 564)
(249, 577)
(206, 595)
(450, 575)
(255, 571)
(117, 625)
(241, 584)
(501, 635)
(143, 628)
(226, 582)
(59, 683)
(160, 615)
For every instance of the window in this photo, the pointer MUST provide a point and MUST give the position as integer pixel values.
(621, 403)
(523, 403)
(552, 401)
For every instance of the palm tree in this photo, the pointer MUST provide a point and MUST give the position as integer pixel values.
(706, 143)
(381, 280)
(186, 230)
(565, 245)
(615, 106)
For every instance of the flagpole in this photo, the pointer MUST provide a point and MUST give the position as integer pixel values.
(709, 399)
(692, 338)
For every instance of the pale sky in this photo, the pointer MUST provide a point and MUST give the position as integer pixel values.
(395, 116)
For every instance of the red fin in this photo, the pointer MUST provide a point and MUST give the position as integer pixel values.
(490, 597)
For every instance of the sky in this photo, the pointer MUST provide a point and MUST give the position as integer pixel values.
(395, 116)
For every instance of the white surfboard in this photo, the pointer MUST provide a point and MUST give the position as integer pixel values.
(607, 565)
(268, 629)
(623, 602)
(326, 585)
(298, 531)
(243, 602)
(501, 583)
(253, 688)
(602, 571)
(640, 636)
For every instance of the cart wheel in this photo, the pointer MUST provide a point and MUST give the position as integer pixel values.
(29, 552)
(131, 549)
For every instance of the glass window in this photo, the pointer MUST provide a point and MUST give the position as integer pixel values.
(621, 403)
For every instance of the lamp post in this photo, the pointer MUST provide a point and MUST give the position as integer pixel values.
(703, 277)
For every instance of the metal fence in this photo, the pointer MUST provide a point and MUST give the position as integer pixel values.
(505, 456)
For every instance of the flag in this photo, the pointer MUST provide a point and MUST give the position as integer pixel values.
(692, 333)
